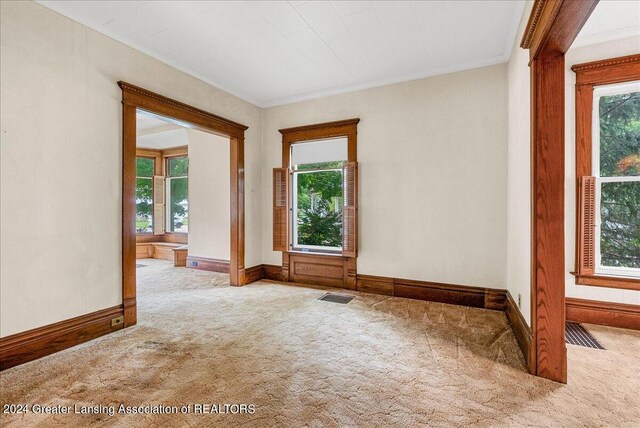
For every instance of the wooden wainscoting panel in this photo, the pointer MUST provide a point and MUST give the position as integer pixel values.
(32, 344)
(521, 330)
(144, 251)
(180, 256)
(330, 271)
(375, 284)
(603, 313)
(163, 251)
(205, 263)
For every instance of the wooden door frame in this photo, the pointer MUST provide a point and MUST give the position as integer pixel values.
(553, 25)
(133, 98)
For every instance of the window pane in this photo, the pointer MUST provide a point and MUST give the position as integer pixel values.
(178, 216)
(620, 135)
(620, 224)
(320, 165)
(144, 205)
(319, 208)
(144, 167)
(178, 166)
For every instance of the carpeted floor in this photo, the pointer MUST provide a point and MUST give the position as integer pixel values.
(376, 361)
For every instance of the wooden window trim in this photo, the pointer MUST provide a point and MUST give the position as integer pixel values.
(300, 134)
(589, 75)
(134, 98)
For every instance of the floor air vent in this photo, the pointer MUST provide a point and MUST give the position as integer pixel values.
(336, 298)
(577, 335)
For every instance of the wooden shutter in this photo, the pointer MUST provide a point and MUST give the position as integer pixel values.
(350, 210)
(586, 225)
(280, 209)
(158, 204)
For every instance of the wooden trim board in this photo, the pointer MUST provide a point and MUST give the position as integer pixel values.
(521, 330)
(205, 263)
(553, 25)
(32, 344)
(603, 313)
(463, 295)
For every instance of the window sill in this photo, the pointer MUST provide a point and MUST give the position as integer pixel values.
(315, 253)
(627, 283)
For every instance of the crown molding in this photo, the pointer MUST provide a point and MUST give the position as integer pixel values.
(610, 62)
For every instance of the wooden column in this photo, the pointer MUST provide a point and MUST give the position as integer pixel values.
(548, 275)
(553, 25)
(129, 213)
(236, 272)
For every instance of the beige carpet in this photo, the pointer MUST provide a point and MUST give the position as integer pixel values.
(376, 361)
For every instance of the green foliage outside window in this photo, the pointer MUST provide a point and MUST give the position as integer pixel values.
(177, 170)
(319, 196)
(144, 194)
(620, 201)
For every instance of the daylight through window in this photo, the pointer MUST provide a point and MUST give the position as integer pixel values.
(616, 166)
(144, 194)
(177, 191)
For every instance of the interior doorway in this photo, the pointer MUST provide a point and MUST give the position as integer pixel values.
(171, 167)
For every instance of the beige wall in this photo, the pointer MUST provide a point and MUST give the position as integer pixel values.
(60, 117)
(209, 195)
(519, 174)
(433, 156)
(579, 55)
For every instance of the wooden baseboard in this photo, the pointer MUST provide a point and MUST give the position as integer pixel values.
(521, 330)
(272, 272)
(463, 295)
(603, 313)
(253, 274)
(211, 265)
(32, 344)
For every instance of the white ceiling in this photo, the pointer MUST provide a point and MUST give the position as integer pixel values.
(148, 121)
(610, 20)
(276, 52)
(153, 132)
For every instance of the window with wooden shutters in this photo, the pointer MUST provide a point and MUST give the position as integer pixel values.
(608, 172)
(350, 210)
(280, 209)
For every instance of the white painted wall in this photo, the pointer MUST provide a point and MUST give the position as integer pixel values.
(433, 176)
(519, 174)
(209, 195)
(61, 127)
(610, 49)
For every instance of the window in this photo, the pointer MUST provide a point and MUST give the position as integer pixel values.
(177, 210)
(315, 193)
(144, 194)
(616, 167)
(317, 207)
(608, 172)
